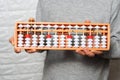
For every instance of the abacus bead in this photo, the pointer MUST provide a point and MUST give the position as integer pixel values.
(90, 46)
(62, 36)
(27, 36)
(20, 25)
(103, 46)
(83, 46)
(34, 35)
(83, 42)
(42, 35)
(90, 27)
(55, 36)
(34, 39)
(20, 41)
(20, 45)
(48, 36)
(90, 40)
(34, 25)
(27, 39)
(62, 26)
(89, 37)
(27, 42)
(69, 26)
(96, 46)
(103, 37)
(76, 36)
(83, 39)
(20, 35)
(55, 26)
(27, 26)
(20, 38)
(104, 27)
(97, 37)
(104, 40)
(83, 27)
(83, 36)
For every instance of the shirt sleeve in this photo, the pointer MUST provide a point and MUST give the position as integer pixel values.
(114, 51)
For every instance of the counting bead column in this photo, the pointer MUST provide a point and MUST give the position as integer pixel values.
(103, 38)
(83, 38)
(62, 38)
(48, 37)
(55, 37)
(27, 37)
(34, 37)
(20, 36)
(76, 38)
(97, 38)
(90, 38)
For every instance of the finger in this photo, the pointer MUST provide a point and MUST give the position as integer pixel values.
(11, 40)
(30, 50)
(97, 52)
(80, 52)
(88, 52)
(17, 50)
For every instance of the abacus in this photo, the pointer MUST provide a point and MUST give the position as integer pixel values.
(62, 35)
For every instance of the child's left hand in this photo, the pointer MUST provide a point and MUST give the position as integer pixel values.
(88, 52)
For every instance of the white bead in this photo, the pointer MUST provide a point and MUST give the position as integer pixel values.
(90, 40)
(90, 43)
(20, 41)
(20, 25)
(62, 39)
(83, 46)
(76, 26)
(55, 36)
(90, 46)
(48, 45)
(76, 42)
(83, 39)
(41, 45)
(83, 42)
(20, 35)
(96, 46)
(55, 39)
(27, 26)
(41, 25)
(62, 26)
(41, 39)
(103, 43)
(76, 45)
(20, 38)
(76, 39)
(103, 40)
(62, 36)
(55, 42)
(97, 27)
(34, 45)
(48, 39)
(55, 26)
(48, 26)
(62, 42)
(42, 35)
(55, 45)
(97, 37)
(27, 45)
(34, 39)
(103, 46)
(69, 45)
(96, 42)
(76, 36)
(90, 27)
(83, 27)
(83, 36)
(20, 45)
(69, 26)
(69, 39)
(104, 27)
(27, 42)
(34, 35)
(103, 37)
(34, 25)
(34, 42)
(62, 45)
(27, 39)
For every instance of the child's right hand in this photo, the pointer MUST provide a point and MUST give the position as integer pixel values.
(17, 50)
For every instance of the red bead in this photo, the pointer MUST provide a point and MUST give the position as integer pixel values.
(69, 36)
(48, 36)
(90, 37)
(27, 36)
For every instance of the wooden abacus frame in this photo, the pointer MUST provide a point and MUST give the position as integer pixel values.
(32, 22)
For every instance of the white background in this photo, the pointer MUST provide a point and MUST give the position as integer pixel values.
(24, 66)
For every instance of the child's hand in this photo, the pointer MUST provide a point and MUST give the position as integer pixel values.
(11, 40)
(90, 53)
